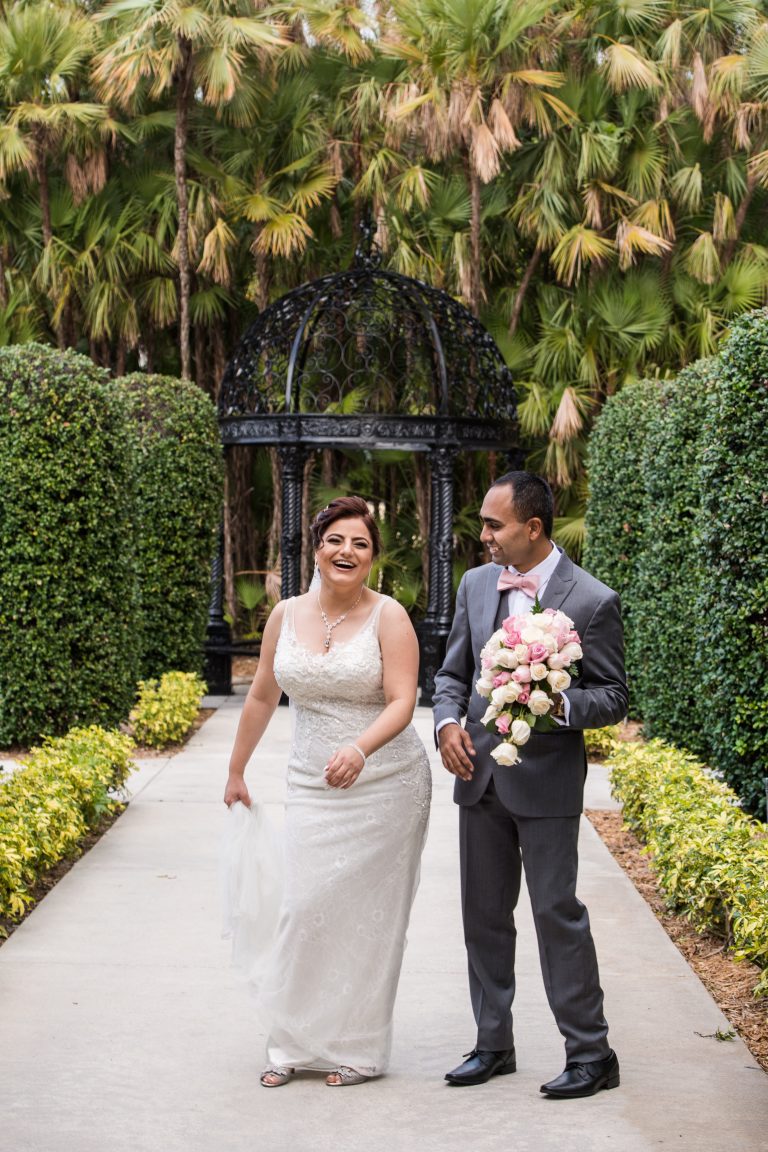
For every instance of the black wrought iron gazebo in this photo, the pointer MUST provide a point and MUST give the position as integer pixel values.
(368, 359)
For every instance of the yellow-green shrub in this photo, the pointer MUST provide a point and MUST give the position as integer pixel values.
(710, 856)
(601, 741)
(166, 708)
(46, 807)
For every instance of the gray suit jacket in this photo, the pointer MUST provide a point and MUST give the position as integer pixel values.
(548, 780)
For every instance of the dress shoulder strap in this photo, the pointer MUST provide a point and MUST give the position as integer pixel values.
(375, 616)
(287, 625)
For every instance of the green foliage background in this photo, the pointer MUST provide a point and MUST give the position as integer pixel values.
(180, 486)
(69, 588)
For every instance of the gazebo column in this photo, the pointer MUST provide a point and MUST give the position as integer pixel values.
(434, 628)
(217, 672)
(292, 461)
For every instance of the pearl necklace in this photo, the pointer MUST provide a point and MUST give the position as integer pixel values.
(330, 627)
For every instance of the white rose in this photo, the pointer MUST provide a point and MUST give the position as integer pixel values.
(490, 714)
(484, 686)
(505, 658)
(559, 681)
(538, 671)
(506, 753)
(499, 696)
(521, 652)
(539, 703)
(571, 652)
(532, 634)
(520, 731)
(550, 643)
(557, 661)
(511, 691)
(496, 640)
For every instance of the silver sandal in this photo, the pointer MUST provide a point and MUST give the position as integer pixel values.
(281, 1076)
(346, 1075)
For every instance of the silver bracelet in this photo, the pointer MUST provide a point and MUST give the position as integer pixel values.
(357, 748)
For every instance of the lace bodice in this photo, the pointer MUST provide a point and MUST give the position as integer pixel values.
(350, 671)
(334, 698)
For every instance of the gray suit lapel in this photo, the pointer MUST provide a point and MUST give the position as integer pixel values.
(561, 584)
(491, 598)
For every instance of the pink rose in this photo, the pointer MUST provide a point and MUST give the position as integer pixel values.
(522, 674)
(488, 662)
(524, 696)
(538, 652)
(573, 638)
(511, 637)
(502, 678)
(503, 724)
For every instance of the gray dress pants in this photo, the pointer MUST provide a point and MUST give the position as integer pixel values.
(495, 846)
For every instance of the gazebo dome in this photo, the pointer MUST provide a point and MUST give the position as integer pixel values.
(369, 341)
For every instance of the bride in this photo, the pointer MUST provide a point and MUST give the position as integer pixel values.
(357, 807)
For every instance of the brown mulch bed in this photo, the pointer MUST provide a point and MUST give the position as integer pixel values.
(730, 983)
(53, 875)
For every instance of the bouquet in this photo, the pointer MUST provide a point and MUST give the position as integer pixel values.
(525, 664)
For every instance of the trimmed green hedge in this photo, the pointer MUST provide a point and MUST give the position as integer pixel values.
(615, 521)
(69, 607)
(64, 789)
(669, 575)
(180, 495)
(710, 857)
(733, 554)
(691, 470)
(166, 708)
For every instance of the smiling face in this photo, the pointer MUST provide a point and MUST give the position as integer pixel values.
(345, 554)
(511, 541)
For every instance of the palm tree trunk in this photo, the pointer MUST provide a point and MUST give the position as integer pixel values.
(739, 217)
(45, 211)
(183, 97)
(531, 266)
(476, 283)
(3, 285)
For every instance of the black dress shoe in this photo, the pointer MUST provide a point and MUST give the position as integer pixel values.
(584, 1079)
(480, 1065)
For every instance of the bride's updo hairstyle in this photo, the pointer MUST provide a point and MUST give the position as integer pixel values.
(345, 508)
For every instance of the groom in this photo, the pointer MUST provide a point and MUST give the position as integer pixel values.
(527, 815)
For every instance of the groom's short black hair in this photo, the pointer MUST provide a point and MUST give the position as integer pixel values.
(532, 496)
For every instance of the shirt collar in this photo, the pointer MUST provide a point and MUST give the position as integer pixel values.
(545, 568)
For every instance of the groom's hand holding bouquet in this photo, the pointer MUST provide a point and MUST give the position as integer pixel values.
(526, 664)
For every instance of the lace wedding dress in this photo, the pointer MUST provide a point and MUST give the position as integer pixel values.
(326, 988)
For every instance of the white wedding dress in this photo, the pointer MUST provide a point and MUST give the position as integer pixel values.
(326, 983)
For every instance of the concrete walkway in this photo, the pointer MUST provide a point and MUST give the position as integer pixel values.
(123, 1030)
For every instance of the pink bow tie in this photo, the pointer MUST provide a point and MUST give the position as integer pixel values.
(527, 584)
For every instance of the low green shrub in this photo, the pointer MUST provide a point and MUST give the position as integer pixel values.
(65, 787)
(601, 741)
(166, 708)
(710, 856)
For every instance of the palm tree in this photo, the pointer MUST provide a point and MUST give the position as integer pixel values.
(200, 53)
(45, 54)
(475, 82)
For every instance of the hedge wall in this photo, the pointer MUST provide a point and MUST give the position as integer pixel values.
(69, 607)
(615, 520)
(678, 523)
(669, 575)
(733, 551)
(180, 494)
